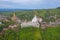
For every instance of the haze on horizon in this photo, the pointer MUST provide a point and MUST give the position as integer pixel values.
(29, 4)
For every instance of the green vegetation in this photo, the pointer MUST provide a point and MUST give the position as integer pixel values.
(31, 33)
(5, 24)
(36, 34)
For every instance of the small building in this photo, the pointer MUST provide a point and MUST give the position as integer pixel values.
(1, 17)
(58, 21)
(12, 26)
(5, 29)
(0, 22)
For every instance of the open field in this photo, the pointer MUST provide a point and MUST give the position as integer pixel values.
(31, 33)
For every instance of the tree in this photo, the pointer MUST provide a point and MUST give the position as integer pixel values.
(58, 8)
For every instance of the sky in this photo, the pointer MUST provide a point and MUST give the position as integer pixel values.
(29, 4)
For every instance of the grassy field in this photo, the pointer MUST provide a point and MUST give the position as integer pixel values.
(31, 33)
(39, 34)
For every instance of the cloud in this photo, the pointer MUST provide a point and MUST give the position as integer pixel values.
(34, 2)
(29, 3)
(24, 1)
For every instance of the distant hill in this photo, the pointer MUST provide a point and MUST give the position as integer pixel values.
(12, 10)
(58, 8)
(8, 10)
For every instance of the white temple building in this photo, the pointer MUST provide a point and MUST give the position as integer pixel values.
(33, 22)
(34, 19)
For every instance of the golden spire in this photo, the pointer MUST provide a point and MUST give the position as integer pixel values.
(14, 14)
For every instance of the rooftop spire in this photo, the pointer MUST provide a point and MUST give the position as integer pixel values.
(14, 14)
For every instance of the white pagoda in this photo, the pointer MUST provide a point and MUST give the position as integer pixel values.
(35, 19)
(33, 23)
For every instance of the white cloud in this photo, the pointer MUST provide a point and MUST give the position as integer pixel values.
(25, 1)
(29, 3)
